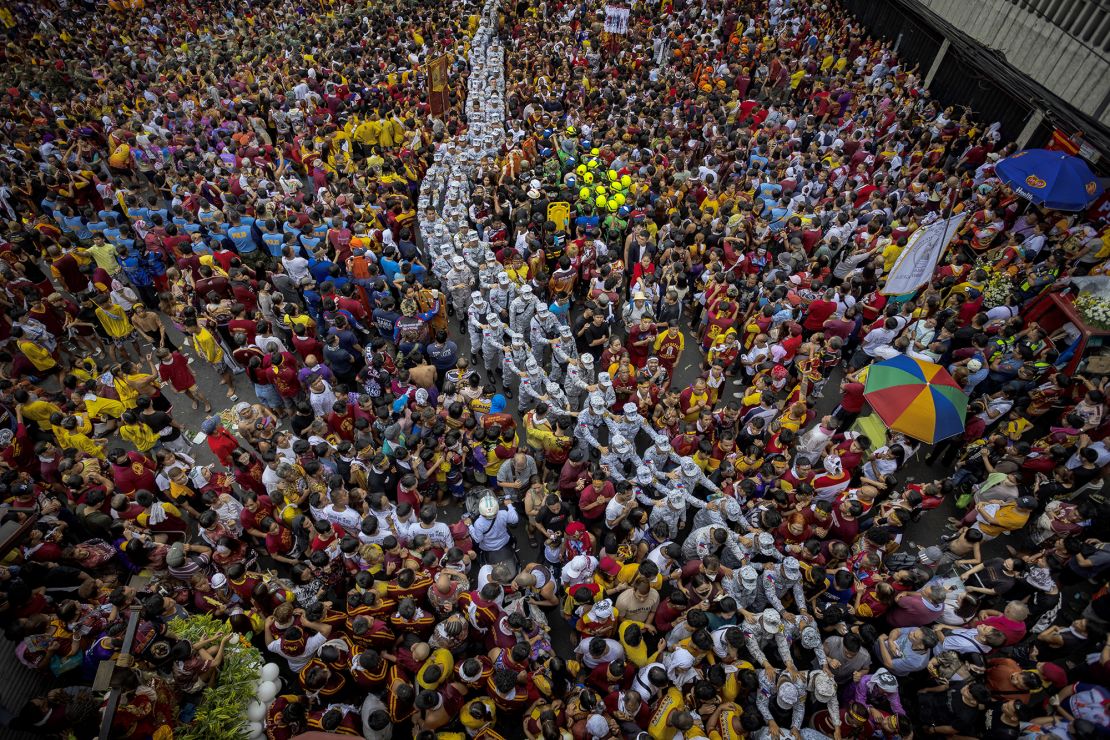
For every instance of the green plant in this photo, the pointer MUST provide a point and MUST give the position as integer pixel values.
(222, 712)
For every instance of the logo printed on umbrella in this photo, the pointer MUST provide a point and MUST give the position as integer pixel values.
(1035, 182)
(1092, 188)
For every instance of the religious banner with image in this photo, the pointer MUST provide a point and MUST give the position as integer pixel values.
(438, 93)
(616, 19)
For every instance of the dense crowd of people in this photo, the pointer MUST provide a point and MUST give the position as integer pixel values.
(465, 483)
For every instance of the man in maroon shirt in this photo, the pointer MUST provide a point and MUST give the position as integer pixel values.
(574, 469)
(820, 311)
(851, 401)
(132, 471)
(210, 282)
(68, 269)
(341, 420)
(282, 371)
(594, 498)
(305, 345)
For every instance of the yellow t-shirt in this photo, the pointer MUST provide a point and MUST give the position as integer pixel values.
(114, 320)
(890, 256)
(39, 357)
(39, 411)
(170, 509)
(140, 435)
(368, 132)
(637, 655)
(126, 392)
(207, 347)
(99, 408)
(120, 157)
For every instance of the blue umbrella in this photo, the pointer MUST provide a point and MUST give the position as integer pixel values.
(1050, 179)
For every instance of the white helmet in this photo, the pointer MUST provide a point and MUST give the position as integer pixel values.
(488, 506)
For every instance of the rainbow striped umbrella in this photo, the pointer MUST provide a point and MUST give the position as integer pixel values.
(919, 399)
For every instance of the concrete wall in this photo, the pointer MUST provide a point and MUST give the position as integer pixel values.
(1062, 44)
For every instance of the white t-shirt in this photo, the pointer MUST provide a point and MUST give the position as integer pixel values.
(349, 519)
(297, 662)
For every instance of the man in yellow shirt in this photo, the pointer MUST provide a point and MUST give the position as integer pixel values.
(890, 253)
(117, 326)
(35, 410)
(367, 135)
(993, 518)
(671, 718)
(38, 355)
(208, 347)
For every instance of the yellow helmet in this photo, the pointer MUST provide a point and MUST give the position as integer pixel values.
(584, 193)
(613, 205)
(619, 197)
(601, 190)
(617, 185)
(626, 180)
(595, 151)
(570, 131)
(612, 175)
(600, 202)
(588, 178)
(592, 164)
(580, 169)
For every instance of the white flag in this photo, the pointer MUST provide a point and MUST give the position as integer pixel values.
(915, 265)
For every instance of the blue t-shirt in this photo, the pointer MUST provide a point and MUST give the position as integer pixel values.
(309, 243)
(910, 661)
(241, 237)
(443, 356)
(274, 243)
(390, 268)
(76, 225)
(338, 359)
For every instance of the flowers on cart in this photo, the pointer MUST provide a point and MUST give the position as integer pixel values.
(1095, 310)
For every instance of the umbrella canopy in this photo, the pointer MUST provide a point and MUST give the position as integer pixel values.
(1050, 179)
(919, 399)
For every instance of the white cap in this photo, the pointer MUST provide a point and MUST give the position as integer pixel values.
(770, 620)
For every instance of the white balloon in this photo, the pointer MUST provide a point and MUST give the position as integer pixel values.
(270, 672)
(256, 711)
(254, 728)
(267, 690)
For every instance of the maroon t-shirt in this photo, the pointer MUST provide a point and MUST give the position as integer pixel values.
(852, 398)
(590, 495)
